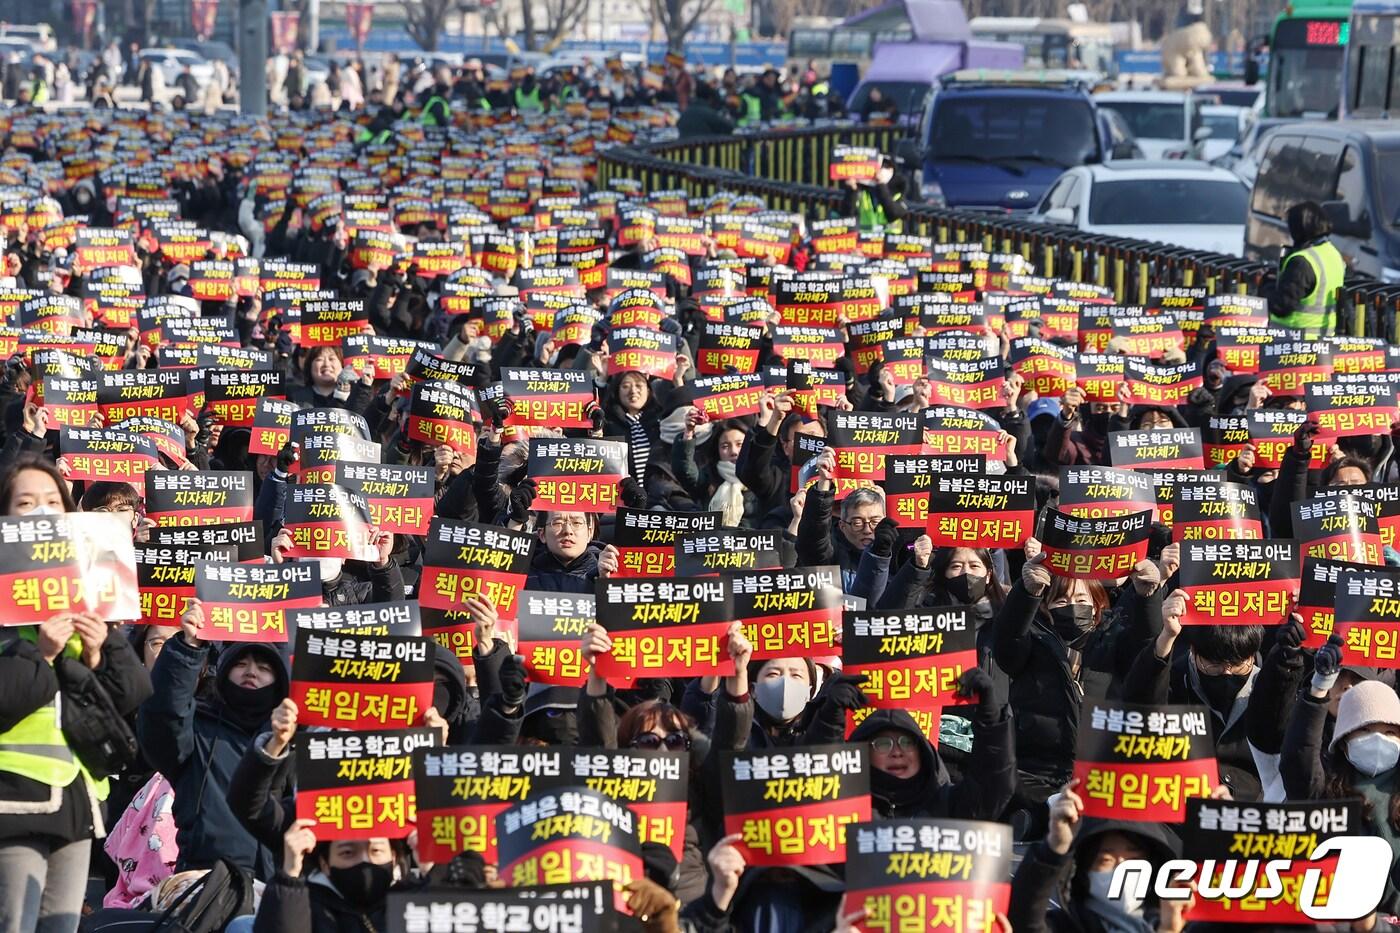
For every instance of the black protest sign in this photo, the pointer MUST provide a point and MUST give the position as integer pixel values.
(665, 628)
(359, 785)
(788, 613)
(577, 474)
(206, 497)
(79, 562)
(911, 659)
(646, 539)
(1142, 763)
(358, 682)
(724, 549)
(1094, 548)
(249, 602)
(402, 617)
(400, 498)
(328, 521)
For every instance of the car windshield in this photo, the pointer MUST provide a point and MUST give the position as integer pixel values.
(1152, 119)
(1221, 126)
(908, 96)
(1167, 201)
(1234, 97)
(1388, 164)
(1007, 128)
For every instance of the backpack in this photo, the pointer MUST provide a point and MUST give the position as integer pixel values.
(210, 903)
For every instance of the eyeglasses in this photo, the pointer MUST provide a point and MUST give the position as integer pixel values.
(674, 741)
(114, 509)
(862, 524)
(885, 744)
(568, 524)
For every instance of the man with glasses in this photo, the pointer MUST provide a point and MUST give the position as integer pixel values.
(848, 541)
(570, 560)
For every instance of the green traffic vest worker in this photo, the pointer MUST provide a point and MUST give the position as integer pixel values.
(821, 87)
(1317, 313)
(528, 102)
(36, 749)
(39, 92)
(567, 93)
(366, 135)
(870, 215)
(753, 110)
(428, 115)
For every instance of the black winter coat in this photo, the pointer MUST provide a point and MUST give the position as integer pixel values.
(549, 573)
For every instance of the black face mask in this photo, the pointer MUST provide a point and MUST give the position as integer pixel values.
(1221, 690)
(967, 588)
(249, 707)
(1073, 623)
(363, 885)
(1098, 423)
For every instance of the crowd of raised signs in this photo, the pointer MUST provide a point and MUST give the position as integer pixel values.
(419, 534)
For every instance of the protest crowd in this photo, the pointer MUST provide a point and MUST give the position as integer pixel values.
(410, 525)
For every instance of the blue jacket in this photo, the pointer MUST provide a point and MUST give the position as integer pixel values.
(197, 746)
(549, 573)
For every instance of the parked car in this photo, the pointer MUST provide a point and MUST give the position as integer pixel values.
(1227, 125)
(172, 63)
(1166, 124)
(1352, 169)
(211, 50)
(1189, 204)
(997, 140)
(40, 36)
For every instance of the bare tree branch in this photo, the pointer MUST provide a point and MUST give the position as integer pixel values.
(670, 15)
(424, 20)
(561, 16)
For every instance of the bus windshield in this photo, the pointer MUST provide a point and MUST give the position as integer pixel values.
(1305, 82)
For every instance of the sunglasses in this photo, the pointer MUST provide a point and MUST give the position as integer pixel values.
(885, 744)
(674, 741)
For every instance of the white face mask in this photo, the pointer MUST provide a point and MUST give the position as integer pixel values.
(330, 567)
(783, 698)
(1099, 883)
(43, 510)
(1373, 753)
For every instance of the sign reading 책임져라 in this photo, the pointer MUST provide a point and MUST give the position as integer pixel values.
(863, 441)
(359, 682)
(1224, 832)
(249, 602)
(1339, 528)
(460, 791)
(328, 521)
(1368, 616)
(727, 349)
(653, 784)
(789, 613)
(1215, 511)
(721, 397)
(548, 397)
(78, 562)
(319, 453)
(165, 575)
(949, 430)
(578, 908)
(271, 426)
(204, 497)
(943, 875)
(970, 510)
(1239, 582)
(1142, 763)
(641, 349)
(549, 628)
(1352, 409)
(577, 474)
(792, 807)
(911, 659)
(462, 560)
(400, 498)
(106, 455)
(645, 540)
(442, 414)
(359, 785)
(1094, 548)
(401, 617)
(665, 628)
(701, 553)
(854, 163)
(909, 479)
(569, 834)
(233, 395)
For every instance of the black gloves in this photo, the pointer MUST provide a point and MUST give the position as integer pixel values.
(512, 680)
(286, 457)
(521, 497)
(886, 534)
(631, 493)
(595, 412)
(1290, 634)
(990, 699)
(843, 692)
(1303, 438)
(205, 421)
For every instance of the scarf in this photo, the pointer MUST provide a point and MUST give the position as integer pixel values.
(728, 499)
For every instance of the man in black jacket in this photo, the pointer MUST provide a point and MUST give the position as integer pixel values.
(704, 117)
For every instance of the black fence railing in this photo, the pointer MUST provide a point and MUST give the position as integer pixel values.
(788, 168)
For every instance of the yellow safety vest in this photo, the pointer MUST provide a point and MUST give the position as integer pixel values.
(870, 215)
(35, 748)
(426, 115)
(1317, 315)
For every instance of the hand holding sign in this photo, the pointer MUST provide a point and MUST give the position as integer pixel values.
(192, 623)
(1066, 809)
